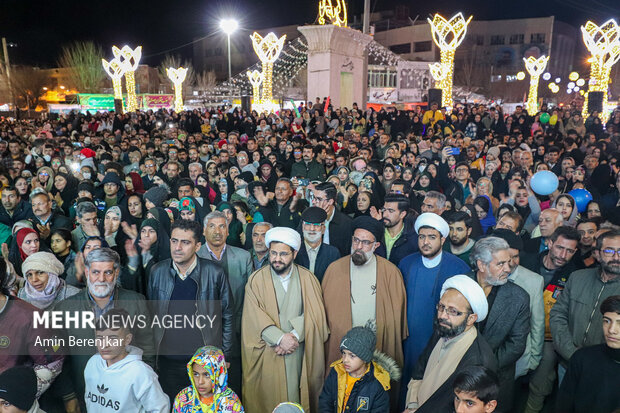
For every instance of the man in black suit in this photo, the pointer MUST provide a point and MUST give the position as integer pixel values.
(314, 254)
(508, 323)
(338, 228)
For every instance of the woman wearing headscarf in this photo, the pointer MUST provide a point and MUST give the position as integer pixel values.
(161, 215)
(484, 212)
(565, 203)
(267, 175)
(476, 228)
(152, 246)
(191, 210)
(209, 391)
(235, 228)
(133, 184)
(25, 243)
(60, 241)
(44, 287)
(44, 178)
(65, 191)
(136, 209)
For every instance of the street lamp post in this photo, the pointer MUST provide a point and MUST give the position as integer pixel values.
(229, 26)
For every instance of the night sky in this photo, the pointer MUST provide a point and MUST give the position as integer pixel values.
(41, 27)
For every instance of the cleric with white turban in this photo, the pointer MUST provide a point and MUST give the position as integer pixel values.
(429, 219)
(472, 292)
(284, 235)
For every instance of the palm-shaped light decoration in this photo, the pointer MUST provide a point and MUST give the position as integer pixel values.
(603, 43)
(256, 78)
(535, 67)
(131, 59)
(337, 15)
(177, 76)
(448, 35)
(115, 69)
(267, 49)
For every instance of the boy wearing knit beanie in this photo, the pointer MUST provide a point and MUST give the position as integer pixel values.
(18, 390)
(360, 381)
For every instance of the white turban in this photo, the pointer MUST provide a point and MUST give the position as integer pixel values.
(472, 292)
(429, 219)
(284, 235)
(44, 262)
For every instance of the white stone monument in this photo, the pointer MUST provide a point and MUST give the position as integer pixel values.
(337, 64)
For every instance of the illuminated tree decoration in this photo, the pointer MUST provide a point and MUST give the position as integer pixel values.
(115, 69)
(535, 67)
(256, 78)
(267, 49)
(448, 35)
(336, 15)
(177, 76)
(130, 59)
(603, 43)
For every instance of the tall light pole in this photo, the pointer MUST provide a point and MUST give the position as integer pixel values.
(229, 26)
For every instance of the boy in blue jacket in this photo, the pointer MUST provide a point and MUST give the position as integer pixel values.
(360, 381)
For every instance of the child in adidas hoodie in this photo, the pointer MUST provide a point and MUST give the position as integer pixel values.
(117, 380)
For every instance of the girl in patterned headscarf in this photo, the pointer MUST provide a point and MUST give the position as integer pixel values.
(209, 391)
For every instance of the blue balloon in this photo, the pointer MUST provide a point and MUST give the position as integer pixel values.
(544, 182)
(582, 198)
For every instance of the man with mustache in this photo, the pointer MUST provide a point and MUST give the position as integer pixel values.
(508, 323)
(238, 266)
(575, 320)
(186, 285)
(102, 268)
(455, 345)
(555, 266)
(424, 272)
(365, 289)
(283, 330)
(314, 254)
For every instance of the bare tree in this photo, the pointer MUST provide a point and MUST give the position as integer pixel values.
(27, 84)
(206, 81)
(83, 61)
(176, 62)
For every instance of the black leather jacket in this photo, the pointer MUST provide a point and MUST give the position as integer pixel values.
(213, 290)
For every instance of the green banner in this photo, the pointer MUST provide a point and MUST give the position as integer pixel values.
(98, 102)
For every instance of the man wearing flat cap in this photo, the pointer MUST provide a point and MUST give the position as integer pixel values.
(454, 345)
(424, 272)
(314, 254)
(363, 287)
(283, 330)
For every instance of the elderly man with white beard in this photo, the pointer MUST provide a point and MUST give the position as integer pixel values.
(507, 325)
(314, 254)
(102, 267)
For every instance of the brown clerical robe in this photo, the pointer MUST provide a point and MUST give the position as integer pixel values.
(391, 307)
(264, 372)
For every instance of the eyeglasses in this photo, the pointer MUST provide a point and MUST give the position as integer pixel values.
(366, 243)
(610, 252)
(282, 254)
(451, 311)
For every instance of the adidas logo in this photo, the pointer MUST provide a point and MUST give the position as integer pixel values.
(102, 389)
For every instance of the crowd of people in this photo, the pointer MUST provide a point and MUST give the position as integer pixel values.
(357, 260)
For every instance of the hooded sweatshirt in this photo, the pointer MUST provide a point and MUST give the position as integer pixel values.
(129, 385)
(224, 399)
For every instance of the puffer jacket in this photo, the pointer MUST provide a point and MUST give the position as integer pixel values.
(369, 393)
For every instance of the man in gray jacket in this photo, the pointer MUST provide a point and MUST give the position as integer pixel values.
(237, 264)
(533, 284)
(188, 286)
(507, 326)
(575, 320)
